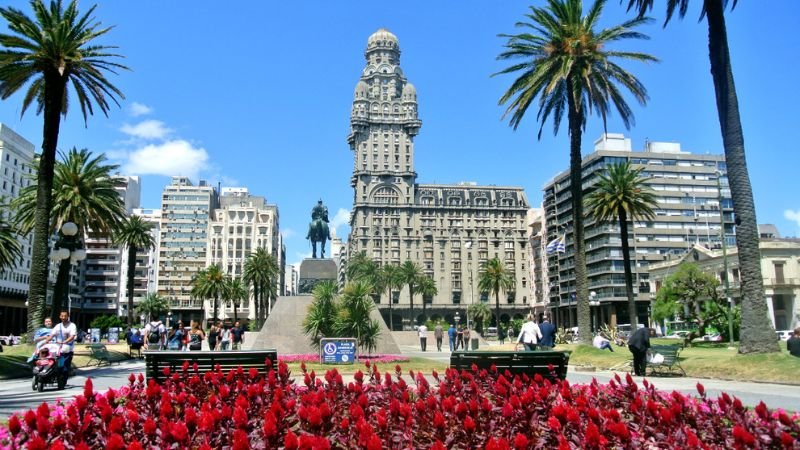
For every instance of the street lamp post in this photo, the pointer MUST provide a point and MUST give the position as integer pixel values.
(725, 281)
(67, 250)
(593, 303)
(468, 246)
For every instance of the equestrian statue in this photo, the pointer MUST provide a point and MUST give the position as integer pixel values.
(318, 229)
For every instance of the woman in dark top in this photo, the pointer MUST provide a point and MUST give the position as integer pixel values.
(213, 336)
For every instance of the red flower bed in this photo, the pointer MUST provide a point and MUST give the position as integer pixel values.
(242, 410)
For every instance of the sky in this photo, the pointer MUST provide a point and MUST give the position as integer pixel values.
(258, 94)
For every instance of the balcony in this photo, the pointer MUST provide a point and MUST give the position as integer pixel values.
(781, 282)
(186, 304)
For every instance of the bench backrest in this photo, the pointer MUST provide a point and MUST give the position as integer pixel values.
(518, 363)
(156, 361)
(669, 352)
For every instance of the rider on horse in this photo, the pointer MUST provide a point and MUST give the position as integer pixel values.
(318, 228)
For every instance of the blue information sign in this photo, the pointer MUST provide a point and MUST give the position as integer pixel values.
(338, 351)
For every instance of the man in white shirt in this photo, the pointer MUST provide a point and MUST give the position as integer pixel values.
(529, 335)
(602, 343)
(155, 335)
(64, 334)
(423, 337)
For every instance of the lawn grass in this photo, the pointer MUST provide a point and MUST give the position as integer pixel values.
(704, 360)
(13, 359)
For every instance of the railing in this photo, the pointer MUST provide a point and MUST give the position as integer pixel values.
(186, 303)
(781, 281)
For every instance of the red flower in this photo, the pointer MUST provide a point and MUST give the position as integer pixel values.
(179, 432)
(701, 390)
(42, 426)
(57, 445)
(135, 445)
(270, 426)
(240, 418)
(742, 436)
(290, 441)
(37, 443)
(520, 441)
(592, 437)
(554, 424)
(14, 425)
(88, 392)
(116, 425)
(469, 425)
(762, 412)
(30, 418)
(115, 442)
(150, 426)
(240, 440)
(497, 444)
(374, 443)
(787, 440)
(438, 420)
(438, 446)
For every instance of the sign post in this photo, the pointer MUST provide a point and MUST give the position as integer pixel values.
(337, 351)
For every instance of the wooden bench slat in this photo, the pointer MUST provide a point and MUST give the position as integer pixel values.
(529, 363)
(156, 361)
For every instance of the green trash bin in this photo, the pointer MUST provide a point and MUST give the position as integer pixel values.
(474, 343)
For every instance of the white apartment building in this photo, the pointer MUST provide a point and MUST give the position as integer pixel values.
(242, 224)
(185, 213)
(16, 156)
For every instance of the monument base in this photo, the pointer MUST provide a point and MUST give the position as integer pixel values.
(313, 271)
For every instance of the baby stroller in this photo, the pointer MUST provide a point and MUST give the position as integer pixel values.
(49, 367)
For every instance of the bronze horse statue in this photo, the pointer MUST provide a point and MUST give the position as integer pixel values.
(318, 232)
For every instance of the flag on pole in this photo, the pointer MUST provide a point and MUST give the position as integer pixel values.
(556, 245)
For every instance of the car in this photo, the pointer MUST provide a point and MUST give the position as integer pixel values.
(491, 332)
(784, 335)
(677, 335)
(714, 337)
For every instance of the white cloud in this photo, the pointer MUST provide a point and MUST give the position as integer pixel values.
(176, 157)
(148, 129)
(793, 216)
(137, 109)
(342, 217)
(288, 233)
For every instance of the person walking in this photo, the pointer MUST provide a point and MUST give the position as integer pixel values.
(460, 337)
(529, 335)
(793, 344)
(155, 335)
(175, 337)
(451, 336)
(438, 333)
(225, 338)
(237, 332)
(196, 337)
(466, 338)
(64, 334)
(638, 344)
(422, 332)
(213, 336)
(548, 331)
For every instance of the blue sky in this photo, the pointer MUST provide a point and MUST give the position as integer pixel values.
(258, 94)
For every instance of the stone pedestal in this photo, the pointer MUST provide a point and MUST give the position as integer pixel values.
(314, 270)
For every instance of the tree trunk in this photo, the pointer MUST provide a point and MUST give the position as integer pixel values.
(391, 319)
(757, 333)
(576, 188)
(255, 304)
(235, 313)
(216, 308)
(54, 90)
(411, 303)
(626, 256)
(60, 290)
(131, 275)
(497, 309)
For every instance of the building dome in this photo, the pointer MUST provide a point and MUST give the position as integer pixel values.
(409, 92)
(361, 89)
(383, 38)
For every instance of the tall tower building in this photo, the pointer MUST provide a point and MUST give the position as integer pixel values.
(449, 230)
(242, 224)
(185, 213)
(16, 156)
(693, 204)
(105, 266)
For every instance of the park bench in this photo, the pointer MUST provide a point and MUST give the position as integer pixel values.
(98, 353)
(517, 363)
(671, 361)
(156, 361)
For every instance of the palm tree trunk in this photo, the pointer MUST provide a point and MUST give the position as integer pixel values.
(626, 256)
(235, 313)
(216, 308)
(391, 320)
(60, 290)
(131, 275)
(411, 303)
(255, 303)
(497, 308)
(576, 187)
(757, 333)
(54, 88)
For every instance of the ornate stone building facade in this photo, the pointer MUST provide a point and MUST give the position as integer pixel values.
(449, 230)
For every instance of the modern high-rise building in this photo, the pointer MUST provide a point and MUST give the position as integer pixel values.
(16, 156)
(105, 267)
(449, 230)
(242, 224)
(145, 280)
(185, 214)
(693, 205)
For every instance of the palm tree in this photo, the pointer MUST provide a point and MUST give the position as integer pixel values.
(621, 194)
(389, 278)
(84, 193)
(480, 313)
(493, 278)
(261, 272)
(410, 274)
(236, 293)
(153, 305)
(10, 250)
(209, 283)
(568, 65)
(757, 332)
(135, 234)
(362, 268)
(54, 49)
(354, 320)
(319, 322)
(427, 287)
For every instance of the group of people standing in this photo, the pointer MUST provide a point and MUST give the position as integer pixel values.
(535, 336)
(156, 336)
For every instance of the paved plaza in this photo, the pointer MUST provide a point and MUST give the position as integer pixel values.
(16, 395)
